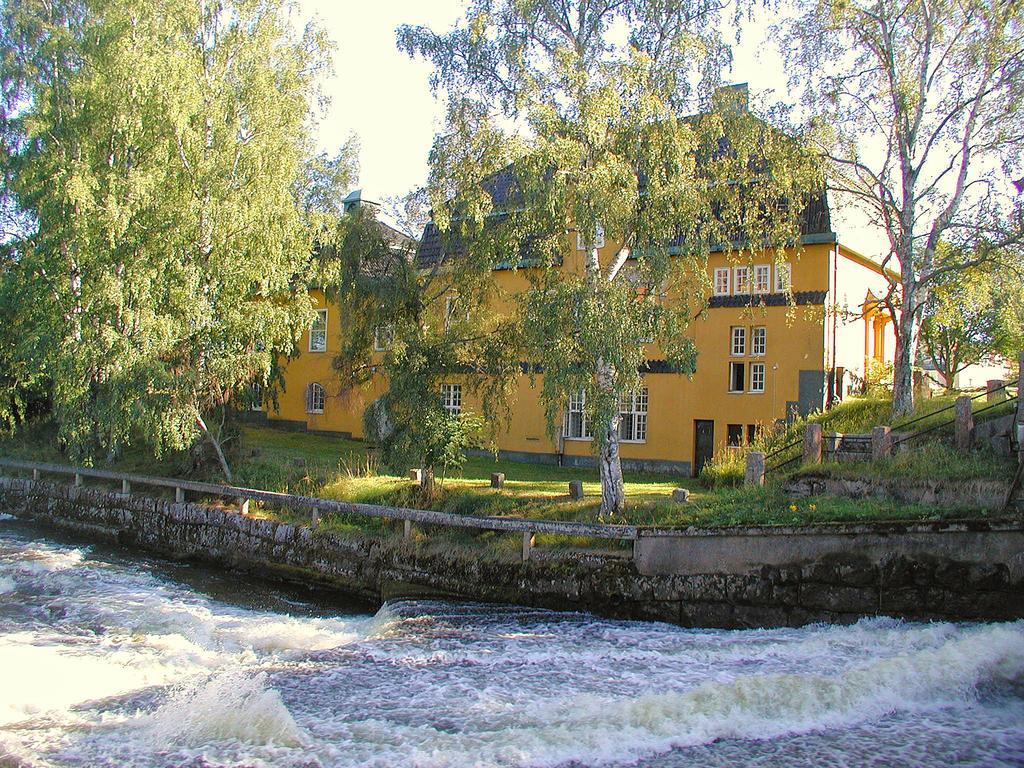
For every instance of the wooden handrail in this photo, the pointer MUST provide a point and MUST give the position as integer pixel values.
(428, 516)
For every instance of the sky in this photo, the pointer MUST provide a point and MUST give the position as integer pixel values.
(383, 97)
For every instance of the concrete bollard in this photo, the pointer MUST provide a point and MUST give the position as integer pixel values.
(416, 475)
(529, 542)
(497, 479)
(681, 495)
(964, 424)
(755, 468)
(576, 489)
(243, 506)
(881, 443)
(126, 488)
(78, 480)
(812, 444)
(407, 530)
(35, 474)
(179, 495)
(314, 517)
(994, 391)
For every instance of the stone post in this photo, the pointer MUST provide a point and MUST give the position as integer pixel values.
(497, 480)
(812, 444)
(964, 424)
(179, 495)
(35, 474)
(243, 506)
(755, 468)
(576, 489)
(126, 488)
(78, 480)
(529, 541)
(314, 517)
(407, 529)
(881, 443)
(416, 475)
(994, 392)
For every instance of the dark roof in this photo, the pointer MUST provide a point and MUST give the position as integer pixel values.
(814, 220)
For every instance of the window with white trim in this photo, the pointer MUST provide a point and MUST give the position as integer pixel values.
(783, 277)
(451, 306)
(738, 341)
(757, 377)
(451, 398)
(762, 278)
(740, 280)
(315, 397)
(633, 417)
(736, 374)
(722, 281)
(318, 332)
(383, 335)
(758, 340)
(576, 425)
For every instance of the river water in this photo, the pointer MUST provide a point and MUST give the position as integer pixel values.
(115, 660)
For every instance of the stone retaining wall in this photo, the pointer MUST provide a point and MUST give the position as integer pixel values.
(727, 578)
(963, 494)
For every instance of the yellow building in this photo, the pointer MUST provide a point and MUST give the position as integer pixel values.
(776, 339)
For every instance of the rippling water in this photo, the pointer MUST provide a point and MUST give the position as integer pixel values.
(107, 660)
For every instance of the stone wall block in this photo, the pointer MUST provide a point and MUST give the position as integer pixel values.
(813, 443)
(838, 599)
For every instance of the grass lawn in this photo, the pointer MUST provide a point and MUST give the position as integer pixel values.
(335, 468)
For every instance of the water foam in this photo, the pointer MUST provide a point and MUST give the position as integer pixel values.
(7, 585)
(231, 706)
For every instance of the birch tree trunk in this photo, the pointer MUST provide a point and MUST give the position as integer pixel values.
(613, 490)
(906, 354)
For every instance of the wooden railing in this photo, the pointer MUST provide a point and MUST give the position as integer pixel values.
(318, 506)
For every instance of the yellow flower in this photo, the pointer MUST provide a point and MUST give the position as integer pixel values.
(792, 507)
(812, 507)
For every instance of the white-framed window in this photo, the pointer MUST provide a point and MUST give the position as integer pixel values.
(738, 341)
(762, 278)
(783, 277)
(383, 335)
(576, 425)
(740, 280)
(758, 340)
(581, 242)
(633, 417)
(318, 332)
(757, 377)
(315, 397)
(451, 306)
(451, 398)
(255, 396)
(736, 376)
(721, 281)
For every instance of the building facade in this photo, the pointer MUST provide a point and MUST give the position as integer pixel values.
(777, 338)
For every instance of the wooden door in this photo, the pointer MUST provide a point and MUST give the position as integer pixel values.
(703, 444)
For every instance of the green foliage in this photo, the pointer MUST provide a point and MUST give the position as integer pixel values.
(155, 150)
(878, 378)
(974, 314)
(607, 152)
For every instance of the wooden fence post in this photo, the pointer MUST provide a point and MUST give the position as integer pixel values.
(529, 540)
(755, 468)
(812, 444)
(964, 424)
(994, 391)
(881, 443)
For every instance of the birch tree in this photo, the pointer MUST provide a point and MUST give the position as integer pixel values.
(567, 126)
(156, 149)
(918, 107)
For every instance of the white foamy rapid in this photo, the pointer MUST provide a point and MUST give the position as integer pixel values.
(113, 662)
